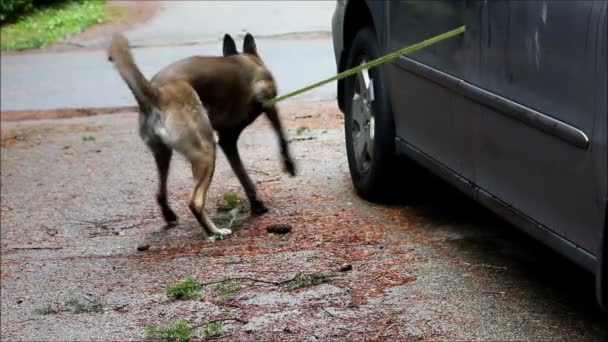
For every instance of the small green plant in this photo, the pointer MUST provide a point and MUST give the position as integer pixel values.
(227, 220)
(87, 306)
(301, 130)
(179, 331)
(231, 200)
(228, 287)
(213, 329)
(88, 138)
(47, 310)
(189, 288)
(305, 280)
(229, 208)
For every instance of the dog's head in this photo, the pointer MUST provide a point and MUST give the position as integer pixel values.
(263, 84)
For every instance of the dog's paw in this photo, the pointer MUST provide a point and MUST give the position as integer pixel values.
(170, 217)
(289, 167)
(258, 208)
(223, 232)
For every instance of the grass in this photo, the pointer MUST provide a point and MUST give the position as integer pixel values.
(228, 287)
(47, 310)
(229, 208)
(305, 280)
(88, 138)
(213, 329)
(78, 306)
(301, 130)
(179, 331)
(231, 200)
(50, 24)
(189, 288)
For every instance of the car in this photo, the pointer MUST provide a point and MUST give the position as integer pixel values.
(512, 112)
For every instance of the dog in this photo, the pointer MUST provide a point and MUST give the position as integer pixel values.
(171, 117)
(233, 89)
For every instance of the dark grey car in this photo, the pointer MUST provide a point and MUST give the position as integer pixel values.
(512, 113)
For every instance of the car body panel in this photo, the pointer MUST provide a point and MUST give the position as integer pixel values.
(512, 113)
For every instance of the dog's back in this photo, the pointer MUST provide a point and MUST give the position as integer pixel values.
(227, 86)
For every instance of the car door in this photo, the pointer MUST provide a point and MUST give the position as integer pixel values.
(536, 140)
(428, 115)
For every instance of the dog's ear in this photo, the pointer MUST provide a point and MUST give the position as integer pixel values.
(249, 45)
(229, 46)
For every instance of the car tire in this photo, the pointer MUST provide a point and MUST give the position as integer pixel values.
(368, 122)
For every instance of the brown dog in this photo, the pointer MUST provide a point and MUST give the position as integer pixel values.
(232, 89)
(171, 117)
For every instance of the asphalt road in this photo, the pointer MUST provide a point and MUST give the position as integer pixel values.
(77, 198)
(84, 78)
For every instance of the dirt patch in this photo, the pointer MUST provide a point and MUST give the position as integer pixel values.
(20, 115)
(29, 136)
(311, 115)
(123, 15)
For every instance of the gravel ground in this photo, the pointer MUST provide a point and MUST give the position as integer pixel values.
(77, 199)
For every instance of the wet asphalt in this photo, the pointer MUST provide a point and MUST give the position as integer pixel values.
(431, 267)
(84, 78)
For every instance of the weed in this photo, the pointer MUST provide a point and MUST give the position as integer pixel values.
(189, 288)
(88, 138)
(301, 130)
(227, 220)
(230, 206)
(305, 280)
(231, 200)
(213, 329)
(228, 287)
(179, 331)
(49, 24)
(78, 306)
(47, 310)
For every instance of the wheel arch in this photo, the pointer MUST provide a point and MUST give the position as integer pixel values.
(356, 16)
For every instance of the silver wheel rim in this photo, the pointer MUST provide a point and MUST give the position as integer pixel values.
(363, 121)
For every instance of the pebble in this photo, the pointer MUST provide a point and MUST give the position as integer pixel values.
(346, 267)
(142, 248)
(279, 228)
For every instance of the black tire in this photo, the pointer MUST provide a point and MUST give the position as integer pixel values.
(371, 176)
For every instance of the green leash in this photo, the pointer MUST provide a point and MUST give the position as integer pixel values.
(368, 65)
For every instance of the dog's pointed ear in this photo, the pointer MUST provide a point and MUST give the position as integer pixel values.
(249, 45)
(229, 46)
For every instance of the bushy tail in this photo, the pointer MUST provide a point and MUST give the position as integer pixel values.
(119, 53)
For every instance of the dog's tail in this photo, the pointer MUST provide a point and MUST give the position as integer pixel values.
(119, 53)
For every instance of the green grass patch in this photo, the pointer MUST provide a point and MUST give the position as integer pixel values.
(48, 25)
(179, 331)
(189, 288)
(88, 138)
(305, 280)
(213, 329)
(231, 200)
(229, 209)
(228, 287)
(47, 310)
(301, 130)
(78, 306)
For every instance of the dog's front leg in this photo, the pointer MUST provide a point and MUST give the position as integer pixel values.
(228, 143)
(288, 164)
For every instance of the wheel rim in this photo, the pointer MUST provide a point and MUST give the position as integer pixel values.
(363, 121)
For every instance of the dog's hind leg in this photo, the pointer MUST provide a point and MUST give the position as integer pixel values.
(203, 172)
(228, 143)
(162, 155)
